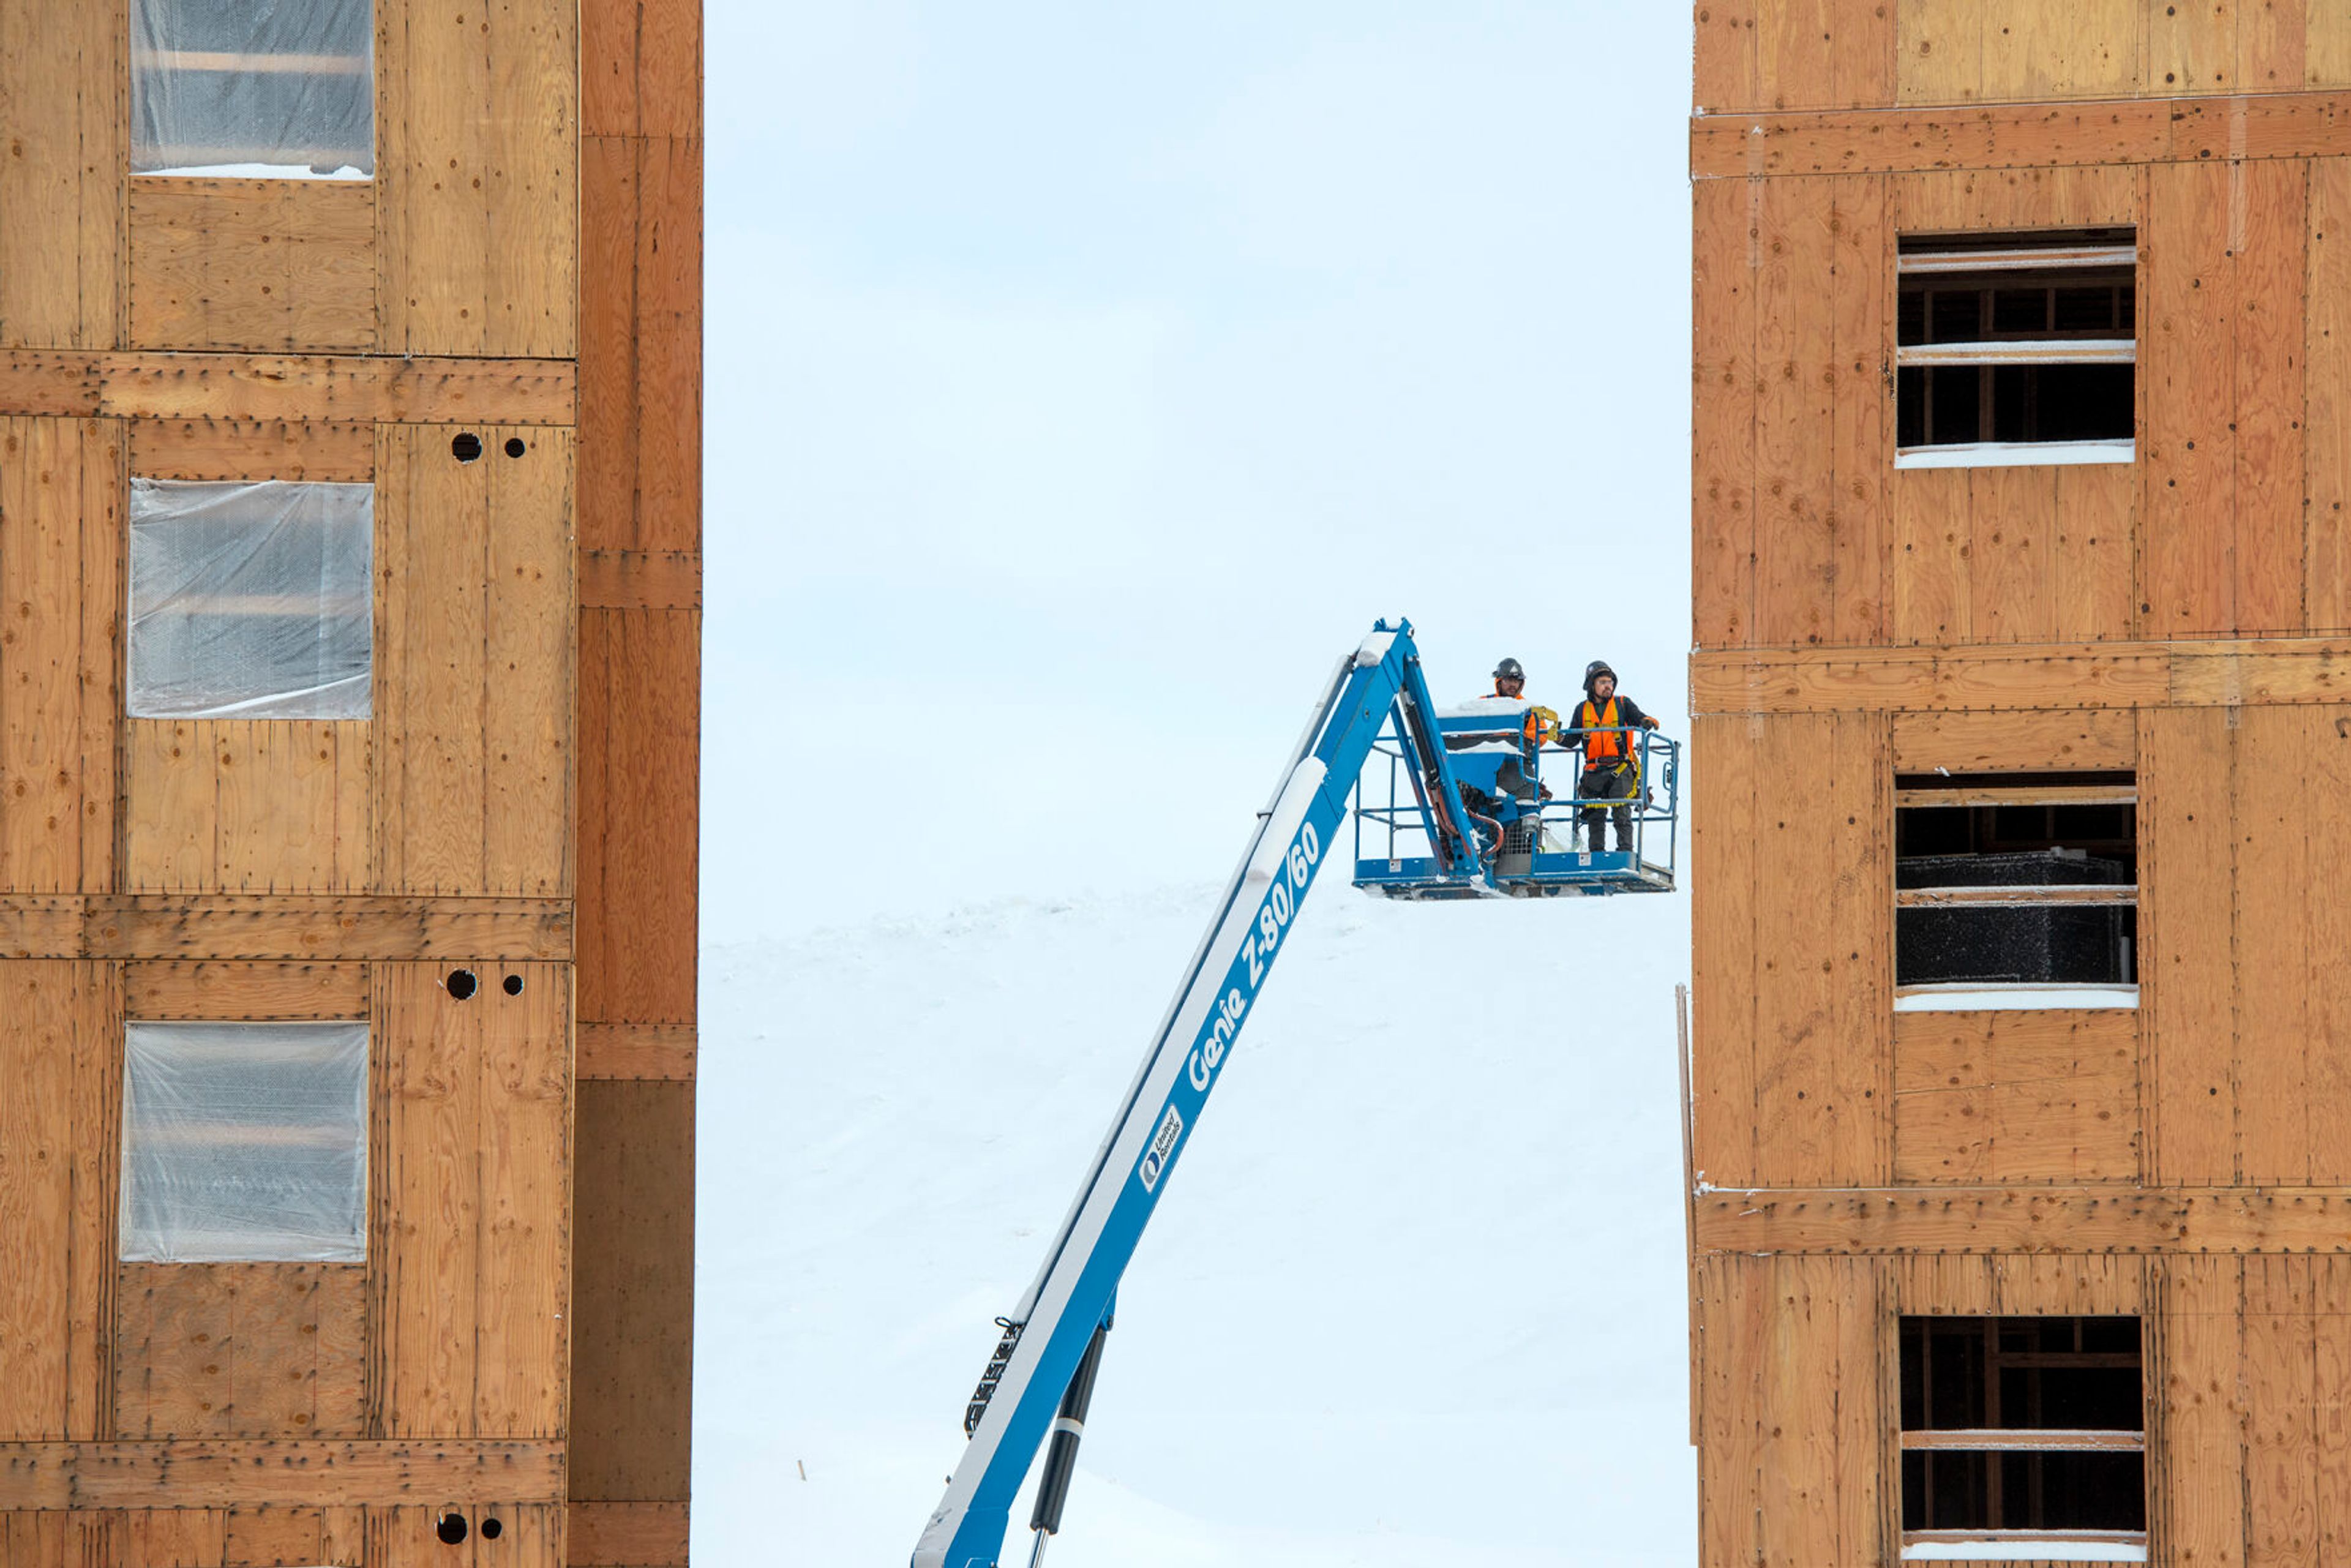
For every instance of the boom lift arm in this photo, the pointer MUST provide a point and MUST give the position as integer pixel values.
(1050, 1331)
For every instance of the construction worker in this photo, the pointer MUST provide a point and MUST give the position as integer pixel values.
(1539, 725)
(1603, 722)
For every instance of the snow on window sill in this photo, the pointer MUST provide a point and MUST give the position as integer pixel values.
(2016, 454)
(254, 172)
(1963, 998)
(2037, 1548)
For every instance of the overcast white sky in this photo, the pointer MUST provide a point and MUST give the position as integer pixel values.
(1083, 378)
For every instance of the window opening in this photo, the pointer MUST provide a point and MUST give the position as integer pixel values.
(2016, 349)
(2015, 890)
(244, 1143)
(231, 87)
(2023, 1439)
(251, 599)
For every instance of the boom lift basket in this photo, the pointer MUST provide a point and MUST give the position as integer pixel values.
(1529, 851)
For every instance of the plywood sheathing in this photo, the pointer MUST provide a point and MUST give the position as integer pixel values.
(281, 264)
(64, 75)
(1756, 54)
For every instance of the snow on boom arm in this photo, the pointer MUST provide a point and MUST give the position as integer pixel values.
(1048, 1334)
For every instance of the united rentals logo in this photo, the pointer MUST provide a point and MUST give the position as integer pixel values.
(1163, 1144)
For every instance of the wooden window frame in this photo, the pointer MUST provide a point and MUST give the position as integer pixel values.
(2015, 996)
(2014, 265)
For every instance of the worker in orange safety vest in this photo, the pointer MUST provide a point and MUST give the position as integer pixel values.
(1602, 725)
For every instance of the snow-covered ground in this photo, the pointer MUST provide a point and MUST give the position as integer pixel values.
(1415, 1298)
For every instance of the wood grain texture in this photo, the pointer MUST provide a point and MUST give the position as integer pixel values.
(1722, 412)
(1999, 1097)
(640, 579)
(240, 1350)
(214, 989)
(2024, 677)
(227, 1473)
(628, 1535)
(477, 174)
(285, 264)
(473, 641)
(1794, 423)
(1724, 805)
(272, 387)
(253, 449)
(2188, 448)
(294, 927)
(2117, 132)
(2202, 1496)
(1978, 1219)
(2186, 764)
(1998, 743)
(2326, 516)
(656, 1050)
(63, 76)
(639, 721)
(633, 1301)
(246, 805)
(473, 1201)
(61, 510)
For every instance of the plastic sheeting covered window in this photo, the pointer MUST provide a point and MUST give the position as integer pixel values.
(267, 87)
(244, 1143)
(251, 601)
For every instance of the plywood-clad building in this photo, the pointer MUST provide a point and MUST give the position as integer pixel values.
(2022, 572)
(350, 606)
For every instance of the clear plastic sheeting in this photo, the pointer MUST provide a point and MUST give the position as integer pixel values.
(288, 85)
(244, 1143)
(251, 601)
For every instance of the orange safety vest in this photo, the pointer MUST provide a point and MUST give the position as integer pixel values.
(1603, 740)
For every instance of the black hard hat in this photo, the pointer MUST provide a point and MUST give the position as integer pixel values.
(1594, 670)
(1508, 670)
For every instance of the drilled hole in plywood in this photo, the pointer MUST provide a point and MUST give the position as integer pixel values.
(515, 448)
(466, 447)
(451, 1527)
(514, 985)
(462, 983)
(492, 1529)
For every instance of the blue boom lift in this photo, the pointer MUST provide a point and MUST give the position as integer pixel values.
(1040, 1378)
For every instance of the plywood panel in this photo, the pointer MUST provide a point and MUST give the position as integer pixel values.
(474, 719)
(1819, 1022)
(2327, 539)
(1988, 742)
(2326, 46)
(2279, 1377)
(2191, 46)
(2270, 223)
(640, 719)
(528, 699)
(1796, 354)
(89, 1348)
(240, 1350)
(60, 550)
(1934, 546)
(59, 1094)
(2087, 49)
(474, 1200)
(233, 1473)
(2007, 1218)
(252, 263)
(2202, 1500)
(253, 449)
(2272, 44)
(632, 1298)
(245, 806)
(2090, 552)
(1859, 568)
(62, 78)
(521, 1348)
(1722, 395)
(1953, 200)
(1940, 45)
(2189, 299)
(627, 1533)
(2269, 946)
(2012, 515)
(2325, 931)
(265, 387)
(477, 176)
(1723, 779)
(265, 1536)
(2016, 1096)
(214, 989)
(2186, 776)
(1725, 77)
